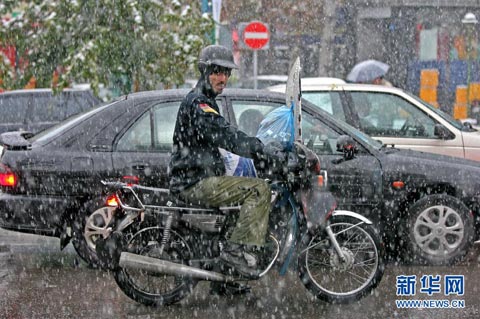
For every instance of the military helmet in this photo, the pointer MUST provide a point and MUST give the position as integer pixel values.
(216, 55)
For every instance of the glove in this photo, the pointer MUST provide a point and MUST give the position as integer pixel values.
(268, 158)
(274, 149)
(275, 156)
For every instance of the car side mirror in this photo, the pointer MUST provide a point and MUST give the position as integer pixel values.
(441, 131)
(347, 146)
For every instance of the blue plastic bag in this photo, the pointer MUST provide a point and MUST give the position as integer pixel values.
(278, 126)
(236, 165)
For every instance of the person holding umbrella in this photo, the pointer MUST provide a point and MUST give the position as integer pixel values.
(369, 71)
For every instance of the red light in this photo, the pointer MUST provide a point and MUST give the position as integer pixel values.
(112, 201)
(7, 178)
(131, 179)
(398, 184)
(320, 180)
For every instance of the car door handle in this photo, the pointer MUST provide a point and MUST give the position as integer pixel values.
(140, 167)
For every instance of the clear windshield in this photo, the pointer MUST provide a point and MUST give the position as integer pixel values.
(350, 130)
(361, 136)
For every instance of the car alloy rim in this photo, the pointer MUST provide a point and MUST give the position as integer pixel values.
(439, 230)
(96, 225)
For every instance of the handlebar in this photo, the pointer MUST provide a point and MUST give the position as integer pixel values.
(298, 167)
(303, 160)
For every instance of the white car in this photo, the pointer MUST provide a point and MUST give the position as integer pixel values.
(263, 81)
(393, 116)
(308, 83)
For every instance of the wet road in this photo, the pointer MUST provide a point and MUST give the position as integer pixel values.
(39, 281)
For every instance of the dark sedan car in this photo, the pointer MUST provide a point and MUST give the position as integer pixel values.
(36, 109)
(51, 181)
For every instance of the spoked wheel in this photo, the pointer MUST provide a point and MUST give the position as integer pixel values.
(334, 280)
(156, 289)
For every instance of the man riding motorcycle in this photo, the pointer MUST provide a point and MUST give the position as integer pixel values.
(197, 168)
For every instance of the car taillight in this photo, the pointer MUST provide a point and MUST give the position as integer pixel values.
(7, 177)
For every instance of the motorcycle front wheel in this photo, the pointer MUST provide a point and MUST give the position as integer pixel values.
(156, 289)
(332, 279)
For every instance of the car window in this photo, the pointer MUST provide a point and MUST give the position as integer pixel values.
(44, 107)
(447, 117)
(47, 108)
(165, 118)
(142, 136)
(138, 137)
(330, 102)
(14, 109)
(249, 114)
(388, 115)
(54, 108)
(316, 135)
(77, 102)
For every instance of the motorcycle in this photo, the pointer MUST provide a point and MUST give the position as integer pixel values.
(159, 251)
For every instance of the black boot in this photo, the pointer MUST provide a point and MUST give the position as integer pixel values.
(228, 289)
(242, 258)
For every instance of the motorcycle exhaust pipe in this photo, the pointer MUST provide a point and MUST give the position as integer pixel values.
(159, 266)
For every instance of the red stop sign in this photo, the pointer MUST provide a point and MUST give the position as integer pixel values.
(256, 35)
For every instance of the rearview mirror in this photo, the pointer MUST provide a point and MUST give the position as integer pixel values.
(347, 146)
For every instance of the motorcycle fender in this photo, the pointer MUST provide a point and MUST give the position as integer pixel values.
(352, 214)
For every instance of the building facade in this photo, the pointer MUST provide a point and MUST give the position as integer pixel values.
(331, 36)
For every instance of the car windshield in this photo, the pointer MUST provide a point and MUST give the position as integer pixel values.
(65, 125)
(363, 137)
(445, 116)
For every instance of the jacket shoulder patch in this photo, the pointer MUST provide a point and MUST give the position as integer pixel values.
(207, 108)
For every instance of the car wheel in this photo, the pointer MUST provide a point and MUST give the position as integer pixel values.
(440, 230)
(89, 224)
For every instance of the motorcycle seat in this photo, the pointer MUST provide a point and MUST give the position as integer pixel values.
(162, 198)
(176, 202)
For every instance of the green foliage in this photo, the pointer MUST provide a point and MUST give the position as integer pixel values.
(132, 44)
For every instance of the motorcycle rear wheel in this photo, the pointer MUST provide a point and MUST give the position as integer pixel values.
(156, 289)
(327, 277)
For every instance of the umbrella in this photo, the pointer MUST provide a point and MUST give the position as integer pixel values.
(368, 70)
